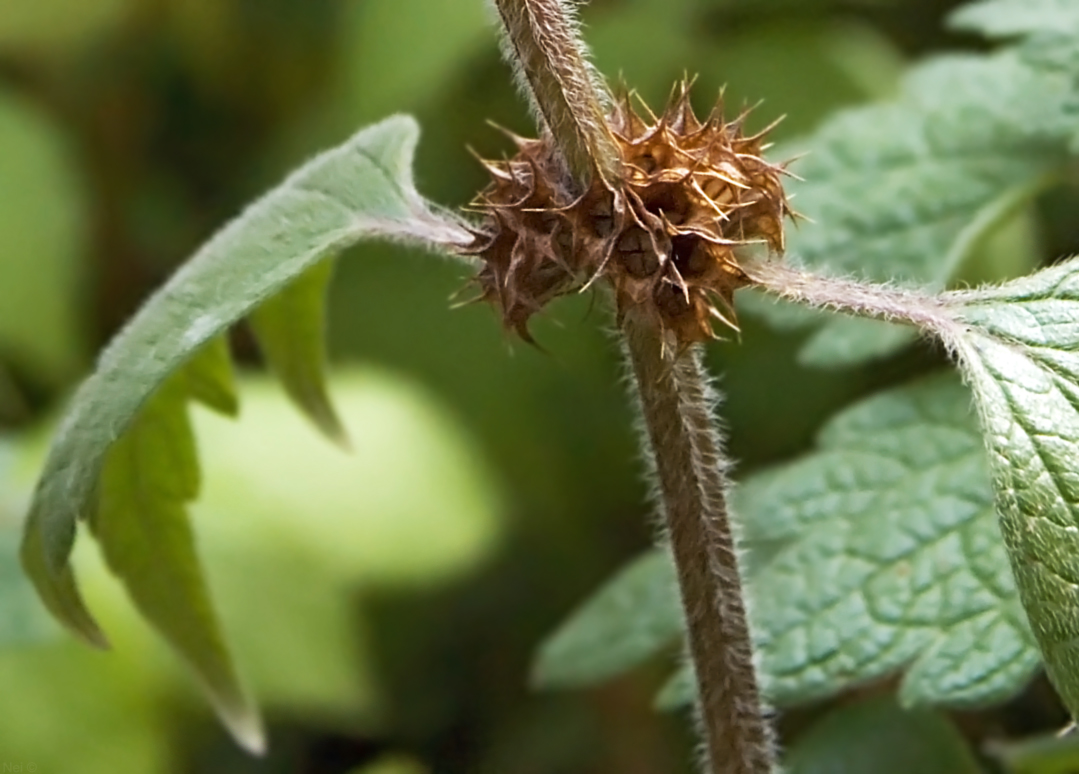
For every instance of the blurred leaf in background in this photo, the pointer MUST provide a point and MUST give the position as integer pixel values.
(56, 26)
(294, 533)
(876, 736)
(43, 231)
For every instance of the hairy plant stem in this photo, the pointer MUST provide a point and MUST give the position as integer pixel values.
(675, 402)
(686, 448)
(544, 47)
(931, 314)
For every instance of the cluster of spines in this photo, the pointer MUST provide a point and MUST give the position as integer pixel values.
(664, 235)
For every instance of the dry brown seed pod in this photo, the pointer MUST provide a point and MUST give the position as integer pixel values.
(662, 237)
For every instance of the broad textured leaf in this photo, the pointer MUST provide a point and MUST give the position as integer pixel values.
(878, 552)
(1049, 30)
(1021, 356)
(632, 617)
(894, 558)
(851, 340)
(361, 189)
(904, 191)
(879, 737)
(291, 331)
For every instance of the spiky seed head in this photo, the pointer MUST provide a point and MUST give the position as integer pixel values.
(663, 236)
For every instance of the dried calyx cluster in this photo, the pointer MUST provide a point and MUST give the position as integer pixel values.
(663, 234)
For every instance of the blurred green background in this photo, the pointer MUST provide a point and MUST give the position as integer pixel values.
(383, 605)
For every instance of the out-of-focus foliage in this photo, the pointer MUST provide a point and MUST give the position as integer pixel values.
(43, 232)
(292, 532)
(160, 119)
(879, 737)
(56, 26)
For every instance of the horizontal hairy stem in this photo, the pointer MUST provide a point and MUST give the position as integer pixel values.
(686, 448)
(929, 313)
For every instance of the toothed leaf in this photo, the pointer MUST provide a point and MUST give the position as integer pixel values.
(1020, 357)
(877, 553)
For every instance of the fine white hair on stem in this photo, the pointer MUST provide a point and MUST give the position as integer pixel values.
(685, 451)
(929, 313)
(543, 45)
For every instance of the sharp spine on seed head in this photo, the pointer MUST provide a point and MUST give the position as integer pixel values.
(702, 185)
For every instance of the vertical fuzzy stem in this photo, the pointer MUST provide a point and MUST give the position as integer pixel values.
(686, 447)
(543, 44)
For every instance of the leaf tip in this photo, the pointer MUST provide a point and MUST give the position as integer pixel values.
(56, 587)
(244, 723)
(329, 424)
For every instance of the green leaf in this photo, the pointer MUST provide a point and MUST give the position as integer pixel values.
(1011, 18)
(1049, 30)
(142, 526)
(635, 615)
(846, 341)
(291, 330)
(1020, 357)
(210, 378)
(879, 737)
(392, 764)
(361, 189)
(1049, 754)
(21, 619)
(905, 191)
(881, 551)
(877, 552)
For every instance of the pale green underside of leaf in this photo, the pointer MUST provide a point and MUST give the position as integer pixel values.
(906, 191)
(124, 455)
(878, 552)
(1021, 356)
